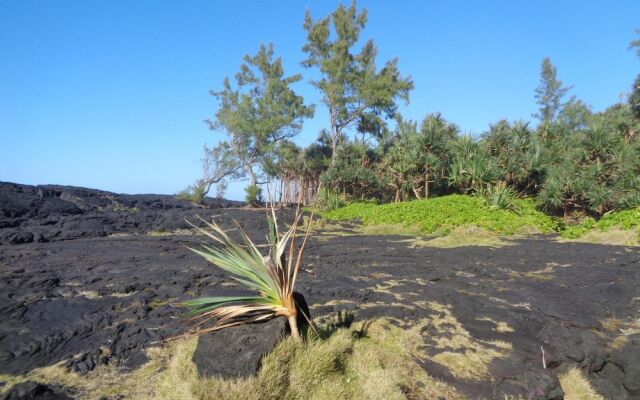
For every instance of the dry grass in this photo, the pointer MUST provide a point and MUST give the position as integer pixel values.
(613, 236)
(500, 326)
(544, 274)
(367, 361)
(612, 324)
(453, 346)
(390, 229)
(462, 236)
(577, 387)
(177, 232)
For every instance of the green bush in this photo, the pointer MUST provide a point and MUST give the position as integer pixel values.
(194, 193)
(500, 197)
(626, 219)
(328, 200)
(253, 194)
(440, 215)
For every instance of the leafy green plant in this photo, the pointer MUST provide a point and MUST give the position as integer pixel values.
(194, 193)
(441, 214)
(253, 194)
(328, 200)
(500, 197)
(625, 220)
(273, 276)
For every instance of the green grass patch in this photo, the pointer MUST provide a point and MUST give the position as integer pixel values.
(624, 220)
(442, 214)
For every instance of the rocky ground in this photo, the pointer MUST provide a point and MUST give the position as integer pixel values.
(82, 280)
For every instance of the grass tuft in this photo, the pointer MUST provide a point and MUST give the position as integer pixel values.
(368, 360)
(577, 387)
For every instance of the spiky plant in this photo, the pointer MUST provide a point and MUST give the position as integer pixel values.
(500, 197)
(272, 276)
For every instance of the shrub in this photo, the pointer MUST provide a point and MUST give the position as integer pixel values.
(328, 200)
(253, 194)
(626, 219)
(500, 197)
(194, 193)
(440, 215)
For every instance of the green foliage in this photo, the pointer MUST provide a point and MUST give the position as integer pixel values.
(253, 194)
(634, 98)
(415, 162)
(594, 170)
(272, 277)
(352, 87)
(626, 219)
(514, 153)
(194, 193)
(549, 93)
(328, 200)
(440, 215)
(470, 169)
(355, 174)
(259, 111)
(500, 197)
(575, 162)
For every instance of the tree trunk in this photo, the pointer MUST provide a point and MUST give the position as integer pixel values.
(334, 137)
(334, 147)
(253, 179)
(426, 183)
(293, 325)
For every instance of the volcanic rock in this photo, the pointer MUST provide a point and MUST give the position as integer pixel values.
(35, 391)
(237, 352)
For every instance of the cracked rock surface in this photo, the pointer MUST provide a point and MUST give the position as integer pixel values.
(93, 299)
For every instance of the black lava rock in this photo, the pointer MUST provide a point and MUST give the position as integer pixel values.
(35, 391)
(237, 352)
(542, 385)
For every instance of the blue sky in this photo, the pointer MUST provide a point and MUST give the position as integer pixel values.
(112, 95)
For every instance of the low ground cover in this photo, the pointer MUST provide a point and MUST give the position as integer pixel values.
(442, 214)
(617, 222)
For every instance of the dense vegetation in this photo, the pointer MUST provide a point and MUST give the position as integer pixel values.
(442, 214)
(625, 219)
(571, 160)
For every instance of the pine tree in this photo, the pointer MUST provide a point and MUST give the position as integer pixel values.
(259, 112)
(549, 93)
(352, 88)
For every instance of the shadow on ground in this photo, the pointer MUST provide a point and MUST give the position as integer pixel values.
(486, 314)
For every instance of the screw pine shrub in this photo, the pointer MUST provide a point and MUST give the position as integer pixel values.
(501, 197)
(328, 200)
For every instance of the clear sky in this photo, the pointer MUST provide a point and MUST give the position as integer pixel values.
(113, 94)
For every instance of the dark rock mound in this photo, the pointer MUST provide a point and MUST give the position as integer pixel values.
(36, 391)
(538, 384)
(237, 352)
(46, 213)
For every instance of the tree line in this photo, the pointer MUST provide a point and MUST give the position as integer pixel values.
(573, 161)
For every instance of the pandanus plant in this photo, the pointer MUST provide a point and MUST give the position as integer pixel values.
(273, 276)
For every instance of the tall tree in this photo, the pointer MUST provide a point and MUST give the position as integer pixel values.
(549, 93)
(352, 88)
(259, 112)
